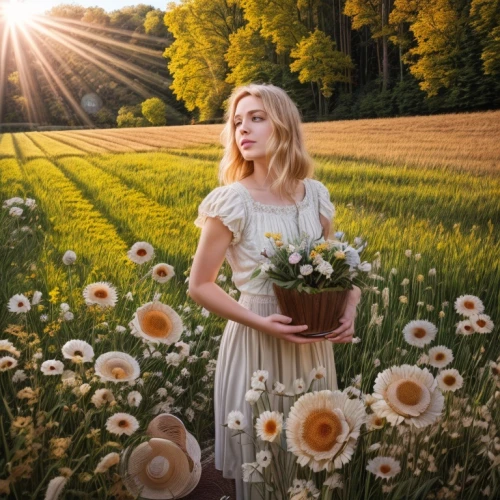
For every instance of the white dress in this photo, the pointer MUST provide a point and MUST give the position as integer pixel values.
(244, 350)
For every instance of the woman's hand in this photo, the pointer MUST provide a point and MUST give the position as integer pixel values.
(345, 332)
(278, 325)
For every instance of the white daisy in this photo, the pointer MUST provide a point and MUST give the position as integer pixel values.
(162, 273)
(251, 472)
(252, 396)
(117, 367)
(102, 397)
(16, 212)
(419, 332)
(236, 420)
(8, 346)
(317, 373)
(13, 201)
(122, 423)
(322, 429)
(157, 323)
(440, 356)
(106, 462)
(19, 304)
(375, 422)
(465, 327)
(52, 367)
(100, 293)
(78, 351)
(141, 252)
(134, 398)
(467, 305)
(69, 257)
(384, 467)
(299, 386)
(449, 380)
(269, 425)
(7, 363)
(279, 388)
(19, 376)
(407, 393)
(263, 458)
(481, 323)
(37, 297)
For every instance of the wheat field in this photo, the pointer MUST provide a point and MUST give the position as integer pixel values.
(423, 191)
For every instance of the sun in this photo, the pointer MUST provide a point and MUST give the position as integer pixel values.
(16, 13)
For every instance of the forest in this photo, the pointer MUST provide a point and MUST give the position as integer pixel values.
(340, 59)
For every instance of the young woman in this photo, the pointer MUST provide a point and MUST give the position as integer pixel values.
(267, 187)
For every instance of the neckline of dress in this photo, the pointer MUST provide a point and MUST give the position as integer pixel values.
(298, 204)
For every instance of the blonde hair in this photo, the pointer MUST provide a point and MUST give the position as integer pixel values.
(288, 160)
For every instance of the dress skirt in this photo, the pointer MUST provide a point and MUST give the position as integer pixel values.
(242, 351)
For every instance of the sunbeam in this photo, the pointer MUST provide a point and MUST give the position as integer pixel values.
(47, 60)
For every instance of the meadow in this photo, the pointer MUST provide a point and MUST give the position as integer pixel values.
(424, 192)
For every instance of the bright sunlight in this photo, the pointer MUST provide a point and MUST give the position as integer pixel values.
(16, 13)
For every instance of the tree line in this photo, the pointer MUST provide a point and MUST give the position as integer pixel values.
(338, 59)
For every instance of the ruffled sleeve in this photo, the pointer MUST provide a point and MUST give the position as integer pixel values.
(326, 207)
(225, 204)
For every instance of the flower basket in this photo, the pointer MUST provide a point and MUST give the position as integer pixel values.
(319, 311)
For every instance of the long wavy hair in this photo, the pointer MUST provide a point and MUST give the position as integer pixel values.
(288, 160)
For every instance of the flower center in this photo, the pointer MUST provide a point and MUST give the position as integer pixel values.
(467, 328)
(385, 469)
(378, 421)
(20, 304)
(321, 429)
(270, 427)
(118, 372)
(122, 423)
(449, 380)
(419, 333)
(409, 393)
(156, 324)
(161, 272)
(468, 304)
(481, 322)
(52, 368)
(101, 294)
(78, 353)
(440, 356)
(141, 252)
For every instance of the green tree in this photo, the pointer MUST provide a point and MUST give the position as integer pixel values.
(128, 117)
(318, 62)
(438, 27)
(485, 15)
(249, 58)
(68, 11)
(202, 36)
(96, 15)
(153, 23)
(375, 15)
(155, 110)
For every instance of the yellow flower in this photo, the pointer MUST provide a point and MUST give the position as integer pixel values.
(321, 247)
(420, 278)
(279, 244)
(339, 254)
(313, 254)
(54, 294)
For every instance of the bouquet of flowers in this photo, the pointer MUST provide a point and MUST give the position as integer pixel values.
(311, 279)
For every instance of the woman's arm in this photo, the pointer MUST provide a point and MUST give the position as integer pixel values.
(214, 241)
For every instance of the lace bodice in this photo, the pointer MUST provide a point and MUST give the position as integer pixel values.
(249, 220)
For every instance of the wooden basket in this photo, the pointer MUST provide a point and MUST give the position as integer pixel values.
(320, 311)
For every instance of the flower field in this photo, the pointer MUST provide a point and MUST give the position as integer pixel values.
(97, 341)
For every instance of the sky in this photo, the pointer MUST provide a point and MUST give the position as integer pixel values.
(40, 6)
